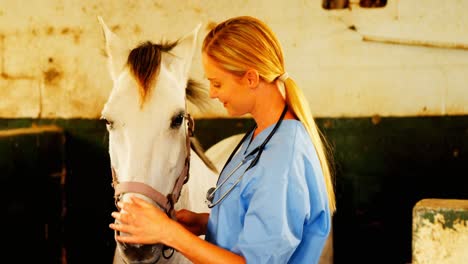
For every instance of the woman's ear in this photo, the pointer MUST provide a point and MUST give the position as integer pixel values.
(252, 77)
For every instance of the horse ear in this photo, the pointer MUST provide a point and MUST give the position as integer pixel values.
(185, 49)
(117, 51)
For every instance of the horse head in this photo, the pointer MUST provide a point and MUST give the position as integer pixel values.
(148, 124)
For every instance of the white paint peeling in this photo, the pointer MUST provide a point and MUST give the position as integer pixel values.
(436, 243)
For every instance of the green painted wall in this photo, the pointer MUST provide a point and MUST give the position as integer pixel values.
(383, 167)
(87, 194)
(31, 179)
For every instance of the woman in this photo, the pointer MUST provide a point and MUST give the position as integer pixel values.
(274, 199)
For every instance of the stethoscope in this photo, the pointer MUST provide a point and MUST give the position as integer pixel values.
(254, 154)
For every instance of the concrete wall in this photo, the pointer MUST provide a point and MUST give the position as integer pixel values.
(52, 63)
(440, 231)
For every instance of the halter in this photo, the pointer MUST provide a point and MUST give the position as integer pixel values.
(168, 202)
(165, 202)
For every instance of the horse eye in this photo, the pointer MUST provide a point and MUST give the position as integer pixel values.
(177, 121)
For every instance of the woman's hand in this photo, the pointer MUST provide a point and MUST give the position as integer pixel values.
(143, 222)
(194, 222)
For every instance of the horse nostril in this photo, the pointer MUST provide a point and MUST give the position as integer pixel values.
(140, 253)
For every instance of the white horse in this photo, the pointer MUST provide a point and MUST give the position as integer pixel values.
(149, 129)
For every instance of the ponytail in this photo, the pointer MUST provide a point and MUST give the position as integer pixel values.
(298, 103)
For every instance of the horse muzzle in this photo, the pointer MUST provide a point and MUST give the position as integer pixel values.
(140, 253)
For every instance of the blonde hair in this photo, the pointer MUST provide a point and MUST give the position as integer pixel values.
(244, 42)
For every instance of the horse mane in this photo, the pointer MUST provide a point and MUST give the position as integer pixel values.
(144, 63)
(196, 146)
(197, 95)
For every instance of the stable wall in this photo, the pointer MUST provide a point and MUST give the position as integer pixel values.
(53, 65)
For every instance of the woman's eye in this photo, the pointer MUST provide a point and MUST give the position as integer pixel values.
(215, 84)
(177, 121)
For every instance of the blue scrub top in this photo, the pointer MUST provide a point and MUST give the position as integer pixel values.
(279, 211)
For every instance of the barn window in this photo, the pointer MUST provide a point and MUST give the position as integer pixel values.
(372, 3)
(342, 4)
